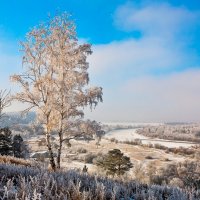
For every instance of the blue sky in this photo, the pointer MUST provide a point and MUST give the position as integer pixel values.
(146, 53)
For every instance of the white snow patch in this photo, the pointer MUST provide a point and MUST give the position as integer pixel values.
(130, 135)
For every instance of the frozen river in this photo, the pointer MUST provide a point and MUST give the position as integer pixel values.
(130, 134)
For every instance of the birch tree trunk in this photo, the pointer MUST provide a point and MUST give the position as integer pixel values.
(59, 150)
(51, 155)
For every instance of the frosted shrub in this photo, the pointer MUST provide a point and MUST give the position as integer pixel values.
(176, 182)
(81, 150)
(18, 182)
(89, 158)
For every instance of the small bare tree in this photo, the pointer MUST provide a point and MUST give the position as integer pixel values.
(55, 80)
(5, 101)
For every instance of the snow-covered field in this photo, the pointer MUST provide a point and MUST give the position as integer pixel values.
(130, 134)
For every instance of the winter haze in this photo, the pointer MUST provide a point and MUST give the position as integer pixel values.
(145, 54)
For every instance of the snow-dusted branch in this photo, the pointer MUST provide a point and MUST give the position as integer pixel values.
(5, 101)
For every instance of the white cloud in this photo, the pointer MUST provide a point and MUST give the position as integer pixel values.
(155, 19)
(138, 55)
(163, 43)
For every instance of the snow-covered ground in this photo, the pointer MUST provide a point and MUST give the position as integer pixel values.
(130, 134)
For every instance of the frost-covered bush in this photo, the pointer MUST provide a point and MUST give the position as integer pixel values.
(89, 158)
(134, 142)
(15, 161)
(114, 140)
(42, 142)
(183, 174)
(18, 182)
(176, 182)
(81, 150)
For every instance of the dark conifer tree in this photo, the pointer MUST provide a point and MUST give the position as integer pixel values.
(115, 163)
(17, 146)
(5, 142)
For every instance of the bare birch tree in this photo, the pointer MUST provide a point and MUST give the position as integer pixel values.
(55, 79)
(5, 101)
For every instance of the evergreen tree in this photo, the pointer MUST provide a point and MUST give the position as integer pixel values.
(5, 141)
(20, 148)
(17, 146)
(115, 163)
